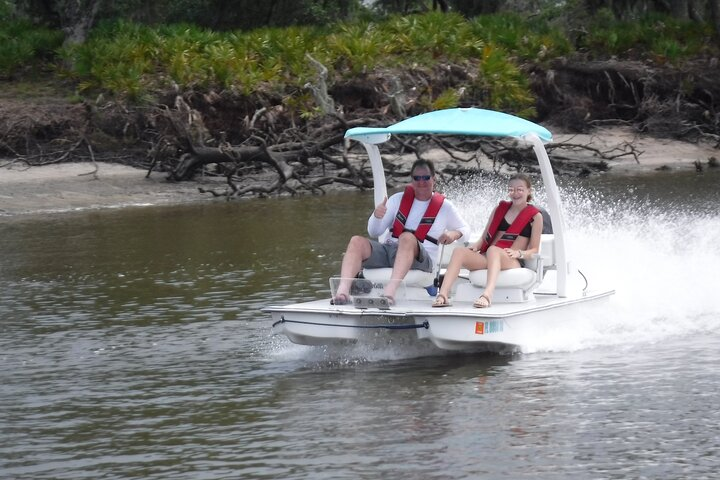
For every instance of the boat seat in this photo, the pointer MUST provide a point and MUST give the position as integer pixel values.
(523, 278)
(527, 277)
(414, 278)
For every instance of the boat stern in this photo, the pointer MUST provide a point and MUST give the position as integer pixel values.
(318, 323)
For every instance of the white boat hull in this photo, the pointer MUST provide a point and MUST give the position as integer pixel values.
(501, 327)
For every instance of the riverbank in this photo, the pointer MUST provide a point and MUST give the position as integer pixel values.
(80, 186)
(71, 187)
(653, 153)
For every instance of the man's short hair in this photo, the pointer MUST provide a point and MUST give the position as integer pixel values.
(421, 162)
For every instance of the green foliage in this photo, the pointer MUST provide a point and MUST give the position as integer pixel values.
(503, 85)
(285, 50)
(134, 61)
(450, 98)
(24, 45)
(525, 39)
(431, 37)
(664, 37)
(356, 47)
(7, 8)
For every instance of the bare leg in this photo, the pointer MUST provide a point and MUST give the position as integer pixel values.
(358, 250)
(497, 260)
(408, 249)
(461, 258)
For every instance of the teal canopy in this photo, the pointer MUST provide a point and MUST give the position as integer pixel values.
(457, 121)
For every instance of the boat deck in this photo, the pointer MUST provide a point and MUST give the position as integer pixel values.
(413, 308)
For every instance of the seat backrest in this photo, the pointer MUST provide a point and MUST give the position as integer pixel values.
(547, 250)
(547, 221)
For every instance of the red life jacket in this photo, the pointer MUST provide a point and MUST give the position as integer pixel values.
(428, 218)
(513, 231)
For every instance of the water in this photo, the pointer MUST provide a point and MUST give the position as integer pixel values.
(132, 346)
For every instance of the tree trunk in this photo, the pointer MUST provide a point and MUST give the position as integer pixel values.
(320, 90)
(270, 13)
(77, 18)
(442, 4)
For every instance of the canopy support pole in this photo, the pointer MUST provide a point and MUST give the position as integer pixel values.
(556, 213)
(378, 172)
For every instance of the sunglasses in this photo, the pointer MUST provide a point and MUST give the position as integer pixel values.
(417, 178)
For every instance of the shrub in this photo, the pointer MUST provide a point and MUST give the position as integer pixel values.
(23, 45)
(272, 58)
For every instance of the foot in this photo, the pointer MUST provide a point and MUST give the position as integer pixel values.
(483, 301)
(441, 301)
(340, 299)
(390, 299)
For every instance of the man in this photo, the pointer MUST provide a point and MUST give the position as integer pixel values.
(409, 227)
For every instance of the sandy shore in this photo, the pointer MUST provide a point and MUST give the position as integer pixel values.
(654, 153)
(77, 186)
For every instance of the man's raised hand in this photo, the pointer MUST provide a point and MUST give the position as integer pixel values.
(381, 209)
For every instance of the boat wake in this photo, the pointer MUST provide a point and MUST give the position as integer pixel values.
(663, 263)
(350, 355)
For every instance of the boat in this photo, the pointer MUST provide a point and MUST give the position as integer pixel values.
(527, 301)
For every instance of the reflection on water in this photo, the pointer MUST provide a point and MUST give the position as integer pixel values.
(133, 346)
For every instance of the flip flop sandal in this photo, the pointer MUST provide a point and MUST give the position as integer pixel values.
(479, 303)
(441, 301)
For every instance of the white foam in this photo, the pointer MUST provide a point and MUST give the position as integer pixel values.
(663, 262)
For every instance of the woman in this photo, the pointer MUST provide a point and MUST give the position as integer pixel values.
(512, 233)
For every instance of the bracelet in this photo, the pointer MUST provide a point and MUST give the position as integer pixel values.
(521, 254)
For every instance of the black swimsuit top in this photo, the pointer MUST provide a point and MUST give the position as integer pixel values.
(526, 232)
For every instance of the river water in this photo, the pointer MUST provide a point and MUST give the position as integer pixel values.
(132, 345)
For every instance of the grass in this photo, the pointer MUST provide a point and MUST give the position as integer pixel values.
(37, 89)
